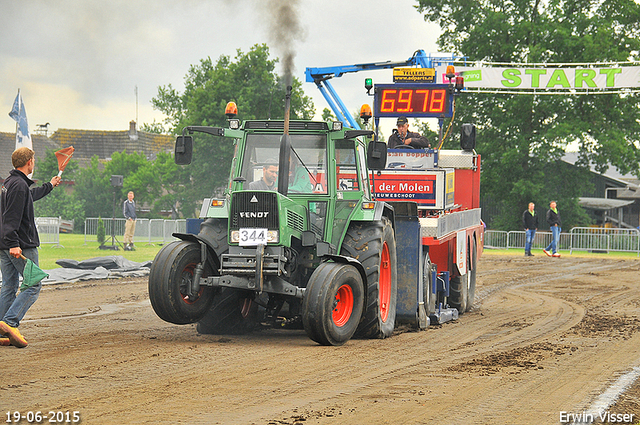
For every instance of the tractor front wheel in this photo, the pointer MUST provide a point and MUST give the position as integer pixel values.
(333, 303)
(171, 274)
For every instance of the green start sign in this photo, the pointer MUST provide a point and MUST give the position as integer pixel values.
(551, 78)
(561, 78)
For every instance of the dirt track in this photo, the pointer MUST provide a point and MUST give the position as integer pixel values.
(545, 336)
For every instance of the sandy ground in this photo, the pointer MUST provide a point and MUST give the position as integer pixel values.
(545, 336)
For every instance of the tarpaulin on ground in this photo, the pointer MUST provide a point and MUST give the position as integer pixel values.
(110, 267)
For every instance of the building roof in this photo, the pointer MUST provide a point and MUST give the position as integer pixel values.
(612, 174)
(602, 204)
(89, 143)
(41, 144)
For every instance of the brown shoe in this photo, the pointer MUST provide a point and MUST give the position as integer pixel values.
(13, 334)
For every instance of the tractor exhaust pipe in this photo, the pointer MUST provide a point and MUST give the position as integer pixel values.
(285, 148)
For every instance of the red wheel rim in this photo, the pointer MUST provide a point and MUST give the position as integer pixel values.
(245, 307)
(343, 305)
(187, 277)
(384, 283)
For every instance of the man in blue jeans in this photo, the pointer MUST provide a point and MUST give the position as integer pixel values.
(553, 218)
(530, 224)
(18, 237)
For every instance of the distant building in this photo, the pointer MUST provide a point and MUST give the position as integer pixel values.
(89, 143)
(615, 199)
(41, 144)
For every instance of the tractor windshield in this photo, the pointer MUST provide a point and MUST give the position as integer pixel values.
(307, 170)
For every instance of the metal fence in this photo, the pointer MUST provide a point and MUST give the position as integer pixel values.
(149, 231)
(589, 239)
(48, 229)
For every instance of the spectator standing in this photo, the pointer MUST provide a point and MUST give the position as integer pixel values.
(530, 224)
(129, 211)
(553, 218)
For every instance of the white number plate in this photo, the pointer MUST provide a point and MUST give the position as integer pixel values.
(253, 237)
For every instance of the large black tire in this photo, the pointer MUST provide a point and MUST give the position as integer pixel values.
(459, 293)
(171, 272)
(463, 288)
(233, 312)
(374, 245)
(333, 303)
(214, 231)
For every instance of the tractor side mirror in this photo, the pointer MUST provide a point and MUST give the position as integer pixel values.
(377, 155)
(184, 150)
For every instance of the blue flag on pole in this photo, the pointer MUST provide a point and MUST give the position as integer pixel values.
(19, 114)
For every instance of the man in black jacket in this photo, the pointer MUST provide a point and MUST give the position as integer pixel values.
(18, 238)
(530, 224)
(402, 136)
(553, 218)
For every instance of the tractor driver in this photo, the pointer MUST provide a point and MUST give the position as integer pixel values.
(402, 136)
(269, 177)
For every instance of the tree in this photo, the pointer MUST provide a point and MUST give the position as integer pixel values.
(250, 81)
(93, 187)
(522, 138)
(61, 202)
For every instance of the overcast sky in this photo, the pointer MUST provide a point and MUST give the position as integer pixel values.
(77, 62)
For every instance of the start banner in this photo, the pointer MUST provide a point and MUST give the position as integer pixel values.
(550, 78)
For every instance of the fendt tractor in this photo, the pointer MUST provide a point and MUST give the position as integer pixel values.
(352, 239)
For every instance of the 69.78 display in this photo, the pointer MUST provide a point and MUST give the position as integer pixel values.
(418, 100)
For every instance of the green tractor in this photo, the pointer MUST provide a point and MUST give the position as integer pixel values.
(310, 248)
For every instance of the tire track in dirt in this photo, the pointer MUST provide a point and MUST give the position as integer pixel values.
(532, 346)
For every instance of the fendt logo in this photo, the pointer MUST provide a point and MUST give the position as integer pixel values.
(254, 214)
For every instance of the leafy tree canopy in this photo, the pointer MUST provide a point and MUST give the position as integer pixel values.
(250, 81)
(61, 202)
(522, 137)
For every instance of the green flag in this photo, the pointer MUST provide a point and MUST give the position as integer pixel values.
(31, 275)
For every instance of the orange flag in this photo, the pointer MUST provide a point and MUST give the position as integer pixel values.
(64, 156)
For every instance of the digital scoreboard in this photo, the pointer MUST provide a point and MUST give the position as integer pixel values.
(412, 100)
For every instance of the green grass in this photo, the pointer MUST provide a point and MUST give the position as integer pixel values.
(73, 247)
(536, 252)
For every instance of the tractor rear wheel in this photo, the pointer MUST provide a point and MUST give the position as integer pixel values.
(233, 312)
(374, 245)
(333, 303)
(171, 274)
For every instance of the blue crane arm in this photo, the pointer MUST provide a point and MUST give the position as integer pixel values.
(316, 75)
(321, 77)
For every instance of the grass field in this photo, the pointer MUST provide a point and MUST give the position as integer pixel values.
(73, 247)
(536, 252)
